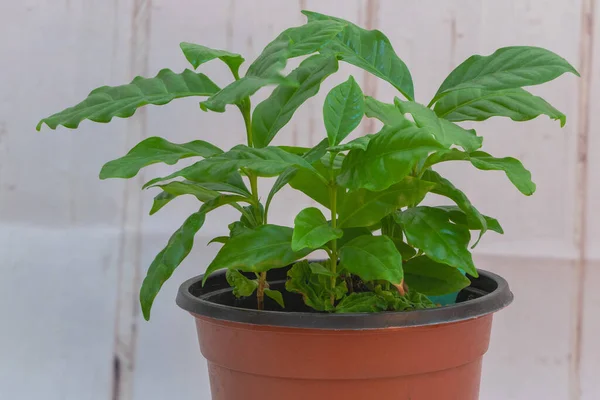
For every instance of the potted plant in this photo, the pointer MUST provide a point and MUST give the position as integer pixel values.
(367, 321)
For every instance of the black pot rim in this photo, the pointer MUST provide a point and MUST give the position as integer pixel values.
(494, 300)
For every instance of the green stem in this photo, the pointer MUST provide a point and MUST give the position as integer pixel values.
(245, 108)
(333, 207)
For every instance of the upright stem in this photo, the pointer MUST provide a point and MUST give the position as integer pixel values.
(262, 279)
(333, 208)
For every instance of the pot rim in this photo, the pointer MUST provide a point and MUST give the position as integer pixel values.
(496, 299)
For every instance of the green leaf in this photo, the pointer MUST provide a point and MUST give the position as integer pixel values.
(242, 286)
(275, 295)
(372, 258)
(272, 114)
(429, 229)
(218, 239)
(106, 102)
(265, 70)
(360, 143)
(364, 208)
(458, 216)
(343, 110)
(197, 54)
(161, 200)
(311, 156)
(390, 156)
(432, 278)
(312, 231)
(387, 113)
(365, 302)
(516, 173)
(315, 288)
(317, 190)
(155, 150)
(168, 260)
(446, 132)
(369, 50)
(319, 269)
(406, 251)
(444, 187)
(506, 68)
(257, 250)
(351, 234)
(172, 190)
(479, 105)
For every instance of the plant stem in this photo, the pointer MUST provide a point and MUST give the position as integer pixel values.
(333, 207)
(245, 108)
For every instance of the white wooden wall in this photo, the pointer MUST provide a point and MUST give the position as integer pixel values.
(73, 248)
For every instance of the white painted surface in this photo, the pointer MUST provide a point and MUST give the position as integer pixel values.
(65, 236)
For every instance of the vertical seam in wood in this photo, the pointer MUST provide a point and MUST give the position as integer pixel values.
(586, 46)
(130, 244)
(369, 80)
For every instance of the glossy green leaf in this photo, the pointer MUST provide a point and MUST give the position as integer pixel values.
(343, 110)
(318, 190)
(430, 230)
(360, 143)
(155, 150)
(387, 113)
(507, 68)
(444, 187)
(276, 111)
(161, 200)
(516, 173)
(364, 208)
(390, 156)
(364, 302)
(312, 231)
(106, 102)
(458, 216)
(446, 132)
(369, 50)
(311, 156)
(319, 269)
(218, 239)
(266, 69)
(258, 250)
(372, 258)
(172, 190)
(406, 251)
(351, 234)
(168, 260)
(432, 278)
(197, 55)
(315, 288)
(275, 295)
(242, 286)
(479, 105)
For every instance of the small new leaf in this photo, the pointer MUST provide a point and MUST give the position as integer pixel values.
(197, 55)
(242, 286)
(275, 295)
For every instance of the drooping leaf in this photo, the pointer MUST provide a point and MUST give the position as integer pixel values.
(364, 208)
(197, 55)
(168, 260)
(432, 278)
(390, 156)
(265, 70)
(172, 190)
(155, 150)
(430, 230)
(315, 288)
(444, 187)
(272, 114)
(369, 50)
(458, 216)
(516, 173)
(311, 156)
(242, 286)
(372, 258)
(507, 68)
(311, 230)
(106, 102)
(257, 250)
(446, 132)
(478, 105)
(365, 302)
(387, 113)
(343, 110)
(275, 295)
(161, 200)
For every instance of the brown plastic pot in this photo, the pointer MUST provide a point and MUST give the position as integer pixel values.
(273, 355)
